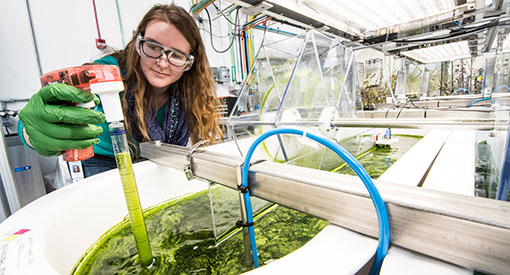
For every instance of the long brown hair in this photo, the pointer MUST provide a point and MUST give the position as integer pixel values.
(196, 86)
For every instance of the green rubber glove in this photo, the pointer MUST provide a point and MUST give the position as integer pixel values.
(53, 127)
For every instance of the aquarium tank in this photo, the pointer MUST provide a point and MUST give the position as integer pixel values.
(301, 81)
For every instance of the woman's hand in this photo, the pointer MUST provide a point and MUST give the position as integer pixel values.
(52, 126)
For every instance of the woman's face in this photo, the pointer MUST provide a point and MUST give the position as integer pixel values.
(159, 72)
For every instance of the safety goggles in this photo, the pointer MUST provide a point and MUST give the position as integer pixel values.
(152, 49)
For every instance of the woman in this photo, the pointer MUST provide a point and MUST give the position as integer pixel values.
(169, 95)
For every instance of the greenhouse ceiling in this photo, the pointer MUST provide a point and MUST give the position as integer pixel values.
(393, 26)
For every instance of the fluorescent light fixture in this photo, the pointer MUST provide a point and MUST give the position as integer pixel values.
(445, 52)
(364, 16)
(431, 35)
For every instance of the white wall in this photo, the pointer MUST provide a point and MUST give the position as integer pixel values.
(18, 71)
(65, 33)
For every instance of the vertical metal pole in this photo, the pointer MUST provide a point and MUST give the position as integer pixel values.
(484, 78)
(471, 75)
(212, 211)
(244, 218)
(441, 80)
(8, 181)
(453, 88)
(462, 74)
(421, 81)
(120, 23)
(34, 42)
(232, 49)
(280, 141)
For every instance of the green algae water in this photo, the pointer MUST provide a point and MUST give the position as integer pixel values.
(183, 240)
(486, 172)
(376, 160)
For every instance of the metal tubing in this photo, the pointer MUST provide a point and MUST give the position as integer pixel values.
(472, 232)
(475, 124)
(481, 124)
(244, 218)
(34, 41)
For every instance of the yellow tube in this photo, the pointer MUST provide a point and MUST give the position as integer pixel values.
(125, 167)
(250, 42)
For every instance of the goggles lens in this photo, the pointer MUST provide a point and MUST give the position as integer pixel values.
(151, 49)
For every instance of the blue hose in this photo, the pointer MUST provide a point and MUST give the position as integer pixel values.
(478, 100)
(380, 207)
(462, 89)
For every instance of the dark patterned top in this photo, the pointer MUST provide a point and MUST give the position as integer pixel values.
(174, 129)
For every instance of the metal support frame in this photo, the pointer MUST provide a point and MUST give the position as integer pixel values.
(504, 178)
(441, 112)
(480, 124)
(13, 203)
(468, 231)
(415, 123)
(244, 218)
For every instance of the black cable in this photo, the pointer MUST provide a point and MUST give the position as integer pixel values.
(330, 48)
(237, 10)
(402, 108)
(7, 130)
(450, 35)
(412, 103)
(219, 36)
(210, 33)
(240, 46)
(191, 8)
(388, 110)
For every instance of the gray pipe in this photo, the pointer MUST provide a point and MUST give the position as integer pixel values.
(34, 42)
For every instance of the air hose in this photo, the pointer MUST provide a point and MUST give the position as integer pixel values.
(462, 89)
(480, 99)
(380, 207)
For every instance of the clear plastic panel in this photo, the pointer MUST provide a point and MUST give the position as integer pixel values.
(304, 81)
(324, 76)
(413, 79)
(434, 80)
(262, 91)
(488, 82)
(400, 87)
(501, 98)
(293, 81)
(424, 83)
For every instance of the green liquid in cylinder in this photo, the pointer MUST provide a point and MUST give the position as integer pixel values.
(127, 177)
(134, 209)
